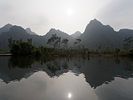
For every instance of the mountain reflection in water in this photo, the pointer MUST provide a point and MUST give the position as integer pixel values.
(71, 74)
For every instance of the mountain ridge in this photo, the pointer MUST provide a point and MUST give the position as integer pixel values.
(96, 35)
(77, 34)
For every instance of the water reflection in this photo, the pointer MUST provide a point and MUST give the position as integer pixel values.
(97, 70)
(96, 78)
(69, 95)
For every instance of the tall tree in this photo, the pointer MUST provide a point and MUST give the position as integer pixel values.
(54, 41)
(65, 42)
(10, 42)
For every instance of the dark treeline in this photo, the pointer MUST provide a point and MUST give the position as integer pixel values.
(26, 48)
(58, 47)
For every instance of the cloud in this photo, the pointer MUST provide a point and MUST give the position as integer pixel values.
(118, 13)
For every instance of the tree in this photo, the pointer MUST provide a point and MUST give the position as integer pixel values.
(65, 42)
(57, 42)
(18, 47)
(54, 40)
(10, 41)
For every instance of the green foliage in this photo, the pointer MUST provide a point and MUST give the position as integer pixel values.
(65, 42)
(25, 48)
(54, 41)
(22, 48)
(10, 42)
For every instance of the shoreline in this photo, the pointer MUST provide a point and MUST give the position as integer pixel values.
(6, 54)
(90, 55)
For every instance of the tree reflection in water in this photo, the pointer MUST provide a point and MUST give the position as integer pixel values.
(97, 70)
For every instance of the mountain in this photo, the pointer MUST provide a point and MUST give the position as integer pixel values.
(17, 33)
(76, 34)
(28, 30)
(99, 36)
(5, 28)
(126, 33)
(96, 36)
(59, 33)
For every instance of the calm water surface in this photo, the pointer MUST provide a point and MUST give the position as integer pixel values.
(94, 78)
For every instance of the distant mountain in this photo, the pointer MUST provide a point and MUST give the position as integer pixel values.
(126, 33)
(99, 36)
(17, 33)
(76, 34)
(96, 36)
(59, 33)
(28, 30)
(5, 28)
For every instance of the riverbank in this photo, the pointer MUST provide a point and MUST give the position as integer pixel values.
(51, 53)
(71, 55)
(8, 54)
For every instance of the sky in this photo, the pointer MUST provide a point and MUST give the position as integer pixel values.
(67, 15)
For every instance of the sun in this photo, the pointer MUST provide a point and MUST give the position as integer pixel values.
(70, 12)
(69, 95)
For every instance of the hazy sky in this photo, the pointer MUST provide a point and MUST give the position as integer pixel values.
(66, 15)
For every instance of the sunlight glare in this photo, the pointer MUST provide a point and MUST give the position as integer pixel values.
(69, 95)
(70, 11)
